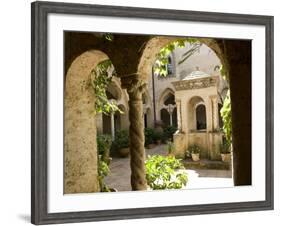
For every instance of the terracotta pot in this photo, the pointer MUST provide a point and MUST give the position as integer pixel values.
(113, 190)
(225, 157)
(124, 152)
(195, 157)
(158, 142)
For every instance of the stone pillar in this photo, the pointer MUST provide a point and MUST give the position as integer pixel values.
(209, 113)
(170, 109)
(215, 112)
(135, 89)
(178, 104)
(112, 126)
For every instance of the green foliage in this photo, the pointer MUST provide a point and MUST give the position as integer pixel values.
(226, 117)
(160, 66)
(108, 37)
(103, 171)
(170, 147)
(148, 135)
(194, 149)
(100, 82)
(121, 139)
(161, 172)
(157, 136)
(225, 147)
(104, 142)
(168, 133)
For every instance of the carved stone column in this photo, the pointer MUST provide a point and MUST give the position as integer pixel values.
(215, 113)
(135, 89)
(178, 104)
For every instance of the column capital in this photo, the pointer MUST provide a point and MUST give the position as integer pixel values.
(134, 85)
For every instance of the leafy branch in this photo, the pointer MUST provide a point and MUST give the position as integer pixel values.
(101, 80)
(160, 66)
(226, 117)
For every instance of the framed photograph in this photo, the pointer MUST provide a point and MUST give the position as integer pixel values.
(141, 112)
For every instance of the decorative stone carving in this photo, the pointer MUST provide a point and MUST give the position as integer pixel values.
(195, 83)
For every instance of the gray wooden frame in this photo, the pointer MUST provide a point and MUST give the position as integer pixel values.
(39, 12)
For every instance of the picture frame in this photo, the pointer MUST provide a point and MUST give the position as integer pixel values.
(40, 118)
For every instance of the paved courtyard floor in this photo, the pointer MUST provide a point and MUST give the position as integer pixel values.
(119, 176)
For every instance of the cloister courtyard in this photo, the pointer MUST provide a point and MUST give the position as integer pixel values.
(146, 112)
(205, 175)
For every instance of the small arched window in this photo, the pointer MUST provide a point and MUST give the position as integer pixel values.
(170, 66)
(201, 117)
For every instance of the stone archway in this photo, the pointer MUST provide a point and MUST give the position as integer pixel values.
(237, 66)
(80, 152)
(139, 57)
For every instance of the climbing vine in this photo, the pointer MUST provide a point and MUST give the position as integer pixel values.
(102, 78)
(160, 66)
(226, 117)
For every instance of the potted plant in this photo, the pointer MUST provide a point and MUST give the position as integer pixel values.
(149, 134)
(157, 137)
(104, 142)
(170, 148)
(225, 152)
(194, 150)
(165, 172)
(121, 143)
(168, 133)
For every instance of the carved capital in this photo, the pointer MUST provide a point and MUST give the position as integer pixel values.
(135, 87)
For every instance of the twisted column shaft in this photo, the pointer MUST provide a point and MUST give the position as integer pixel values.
(136, 133)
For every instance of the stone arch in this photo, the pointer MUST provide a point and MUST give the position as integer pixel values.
(155, 44)
(167, 98)
(165, 93)
(193, 103)
(80, 152)
(201, 119)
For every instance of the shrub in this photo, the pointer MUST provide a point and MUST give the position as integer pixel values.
(226, 117)
(194, 149)
(170, 147)
(121, 139)
(157, 136)
(161, 172)
(103, 171)
(104, 142)
(149, 135)
(168, 132)
(225, 147)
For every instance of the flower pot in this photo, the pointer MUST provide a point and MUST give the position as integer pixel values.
(149, 146)
(225, 157)
(195, 157)
(113, 190)
(124, 152)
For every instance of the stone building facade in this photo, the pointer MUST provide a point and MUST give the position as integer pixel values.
(165, 96)
(133, 57)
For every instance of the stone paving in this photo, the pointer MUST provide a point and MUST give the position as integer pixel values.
(119, 176)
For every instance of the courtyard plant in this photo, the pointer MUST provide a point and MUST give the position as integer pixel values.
(121, 142)
(194, 150)
(104, 142)
(157, 137)
(225, 149)
(170, 147)
(168, 133)
(149, 135)
(165, 172)
(103, 171)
